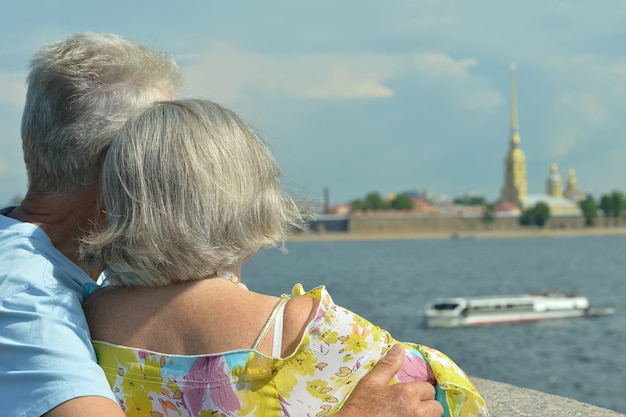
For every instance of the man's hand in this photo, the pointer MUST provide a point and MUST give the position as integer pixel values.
(372, 397)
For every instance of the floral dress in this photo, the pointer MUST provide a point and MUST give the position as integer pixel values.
(338, 348)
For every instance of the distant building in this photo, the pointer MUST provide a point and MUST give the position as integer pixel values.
(554, 184)
(515, 190)
(572, 190)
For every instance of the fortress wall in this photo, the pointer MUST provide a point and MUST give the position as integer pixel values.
(410, 223)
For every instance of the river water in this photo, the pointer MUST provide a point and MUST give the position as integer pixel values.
(388, 282)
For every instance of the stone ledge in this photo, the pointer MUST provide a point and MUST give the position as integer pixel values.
(504, 400)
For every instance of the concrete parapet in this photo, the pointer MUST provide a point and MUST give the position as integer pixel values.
(504, 400)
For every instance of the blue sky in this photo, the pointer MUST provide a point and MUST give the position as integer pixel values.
(363, 95)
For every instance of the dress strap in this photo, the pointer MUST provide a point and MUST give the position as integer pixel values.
(277, 344)
(278, 310)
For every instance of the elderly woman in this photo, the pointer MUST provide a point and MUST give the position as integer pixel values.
(190, 192)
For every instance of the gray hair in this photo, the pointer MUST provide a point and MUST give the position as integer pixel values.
(80, 91)
(188, 189)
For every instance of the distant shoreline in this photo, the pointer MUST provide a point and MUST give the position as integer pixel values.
(347, 236)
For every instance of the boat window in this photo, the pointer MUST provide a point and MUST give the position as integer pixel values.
(445, 306)
(502, 305)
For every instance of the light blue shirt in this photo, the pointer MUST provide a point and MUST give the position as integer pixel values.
(46, 356)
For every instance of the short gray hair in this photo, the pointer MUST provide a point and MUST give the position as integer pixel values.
(80, 91)
(189, 189)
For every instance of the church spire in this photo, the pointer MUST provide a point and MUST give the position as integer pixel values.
(515, 138)
(514, 189)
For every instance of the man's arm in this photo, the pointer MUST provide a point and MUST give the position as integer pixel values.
(91, 406)
(373, 397)
(47, 358)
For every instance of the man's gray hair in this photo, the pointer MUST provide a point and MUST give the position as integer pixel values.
(189, 189)
(80, 91)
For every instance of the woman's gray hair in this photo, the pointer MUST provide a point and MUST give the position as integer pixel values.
(80, 91)
(188, 189)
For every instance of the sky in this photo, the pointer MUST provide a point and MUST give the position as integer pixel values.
(358, 96)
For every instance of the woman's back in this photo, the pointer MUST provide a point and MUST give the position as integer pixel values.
(335, 350)
(185, 318)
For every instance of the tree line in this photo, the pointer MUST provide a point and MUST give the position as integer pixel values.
(612, 205)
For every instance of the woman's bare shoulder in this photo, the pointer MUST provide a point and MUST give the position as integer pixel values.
(299, 312)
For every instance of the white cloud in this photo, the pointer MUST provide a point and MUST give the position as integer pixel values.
(583, 102)
(442, 65)
(339, 81)
(567, 140)
(588, 108)
(451, 80)
(4, 167)
(614, 76)
(579, 118)
(12, 88)
(227, 73)
(482, 100)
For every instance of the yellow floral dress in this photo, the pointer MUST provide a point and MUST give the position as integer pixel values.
(338, 348)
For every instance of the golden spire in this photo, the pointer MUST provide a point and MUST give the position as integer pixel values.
(515, 186)
(515, 138)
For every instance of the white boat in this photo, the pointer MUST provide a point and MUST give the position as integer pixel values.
(472, 311)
